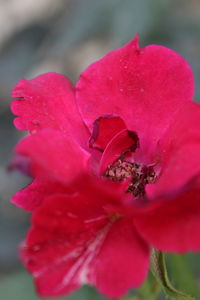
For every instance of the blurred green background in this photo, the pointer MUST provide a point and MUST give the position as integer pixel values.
(65, 36)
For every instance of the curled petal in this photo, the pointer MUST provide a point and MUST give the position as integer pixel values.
(104, 129)
(123, 142)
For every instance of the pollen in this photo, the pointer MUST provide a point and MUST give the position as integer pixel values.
(139, 175)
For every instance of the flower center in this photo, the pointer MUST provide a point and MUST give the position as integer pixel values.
(139, 173)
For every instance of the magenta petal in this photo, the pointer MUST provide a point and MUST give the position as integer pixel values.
(47, 101)
(174, 224)
(144, 86)
(73, 242)
(32, 196)
(179, 156)
(62, 244)
(124, 141)
(104, 129)
(123, 261)
(54, 155)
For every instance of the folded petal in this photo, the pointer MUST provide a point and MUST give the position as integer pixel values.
(54, 155)
(144, 86)
(173, 225)
(123, 261)
(124, 142)
(47, 101)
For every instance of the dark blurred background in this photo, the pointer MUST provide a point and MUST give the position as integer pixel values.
(66, 36)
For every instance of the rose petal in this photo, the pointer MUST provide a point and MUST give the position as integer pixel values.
(68, 242)
(123, 142)
(32, 196)
(179, 156)
(174, 224)
(104, 129)
(123, 261)
(62, 244)
(143, 86)
(47, 101)
(54, 155)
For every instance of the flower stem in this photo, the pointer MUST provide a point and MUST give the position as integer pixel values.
(159, 270)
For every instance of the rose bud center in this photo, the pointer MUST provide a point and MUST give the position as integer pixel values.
(139, 175)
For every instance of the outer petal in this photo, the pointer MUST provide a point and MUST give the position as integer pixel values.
(174, 225)
(179, 156)
(62, 244)
(123, 261)
(32, 196)
(54, 155)
(47, 101)
(71, 236)
(144, 86)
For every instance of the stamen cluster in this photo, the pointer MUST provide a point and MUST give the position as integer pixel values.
(139, 173)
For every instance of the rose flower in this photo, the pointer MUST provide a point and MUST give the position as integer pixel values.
(115, 164)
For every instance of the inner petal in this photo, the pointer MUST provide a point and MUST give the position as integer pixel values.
(118, 162)
(104, 129)
(123, 144)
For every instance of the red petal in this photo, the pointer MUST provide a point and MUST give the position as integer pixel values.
(72, 235)
(63, 243)
(47, 101)
(124, 141)
(54, 155)
(143, 86)
(31, 197)
(123, 261)
(174, 224)
(104, 129)
(179, 156)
